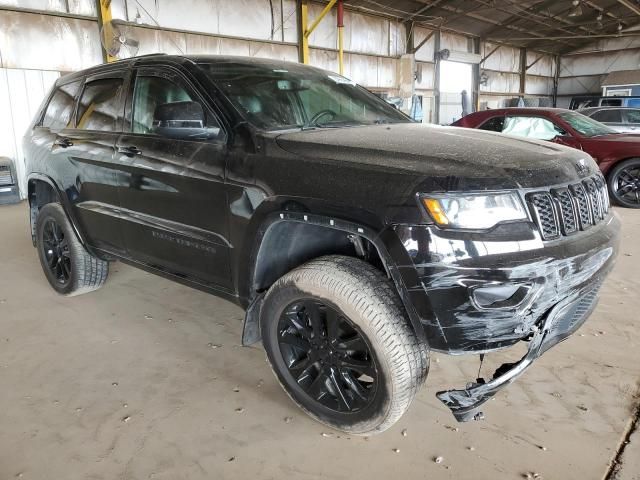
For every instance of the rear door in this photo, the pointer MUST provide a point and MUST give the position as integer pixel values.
(173, 197)
(84, 158)
(632, 118)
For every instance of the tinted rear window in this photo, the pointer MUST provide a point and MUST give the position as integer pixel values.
(100, 105)
(58, 113)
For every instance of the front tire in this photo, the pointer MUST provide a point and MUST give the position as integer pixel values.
(624, 183)
(340, 343)
(69, 268)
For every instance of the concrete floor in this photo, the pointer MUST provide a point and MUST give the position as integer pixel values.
(145, 379)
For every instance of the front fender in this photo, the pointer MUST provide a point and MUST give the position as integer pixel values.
(394, 257)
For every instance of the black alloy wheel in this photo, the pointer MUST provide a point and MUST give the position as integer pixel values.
(624, 183)
(55, 248)
(327, 356)
(69, 268)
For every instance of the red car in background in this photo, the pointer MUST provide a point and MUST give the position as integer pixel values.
(617, 154)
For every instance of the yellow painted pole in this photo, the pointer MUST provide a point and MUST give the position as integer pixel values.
(104, 19)
(340, 17)
(304, 18)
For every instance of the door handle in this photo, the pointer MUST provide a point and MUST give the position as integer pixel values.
(63, 142)
(130, 151)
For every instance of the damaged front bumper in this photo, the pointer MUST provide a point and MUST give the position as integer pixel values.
(475, 294)
(560, 322)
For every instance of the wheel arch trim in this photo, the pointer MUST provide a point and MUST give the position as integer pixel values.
(381, 241)
(63, 200)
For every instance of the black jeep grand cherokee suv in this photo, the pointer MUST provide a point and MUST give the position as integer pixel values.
(356, 240)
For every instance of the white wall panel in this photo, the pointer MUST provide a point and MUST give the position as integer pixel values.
(46, 5)
(327, 60)
(21, 93)
(570, 86)
(366, 34)
(426, 52)
(597, 63)
(287, 53)
(504, 59)
(387, 73)
(427, 76)
(45, 42)
(544, 66)
(397, 39)
(453, 41)
(239, 18)
(156, 41)
(501, 82)
(538, 85)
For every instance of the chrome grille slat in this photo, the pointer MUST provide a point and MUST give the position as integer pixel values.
(565, 210)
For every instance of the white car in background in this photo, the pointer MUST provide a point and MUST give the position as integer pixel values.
(625, 120)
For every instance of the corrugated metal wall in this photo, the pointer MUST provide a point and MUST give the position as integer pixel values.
(502, 67)
(583, 71)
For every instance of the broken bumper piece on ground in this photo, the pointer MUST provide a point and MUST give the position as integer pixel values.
(561, 321)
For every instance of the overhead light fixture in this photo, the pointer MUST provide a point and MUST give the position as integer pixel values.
(600, 16)
(576, 11)
(619, 27)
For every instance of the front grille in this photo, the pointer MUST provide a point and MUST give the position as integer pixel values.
(568, 209)
(5, 175)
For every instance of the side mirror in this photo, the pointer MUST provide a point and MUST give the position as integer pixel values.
(182, 120)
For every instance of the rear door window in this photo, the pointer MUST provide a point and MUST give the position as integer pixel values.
(633, 116)
(58, 112)
(608, 116)
(100, 105)
(495, 124)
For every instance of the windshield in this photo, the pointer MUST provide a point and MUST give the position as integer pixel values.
(294, 96)
(585, 125)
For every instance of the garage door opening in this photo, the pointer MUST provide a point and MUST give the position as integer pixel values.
(455, 78)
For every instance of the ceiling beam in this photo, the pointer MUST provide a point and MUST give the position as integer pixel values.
(634, 8)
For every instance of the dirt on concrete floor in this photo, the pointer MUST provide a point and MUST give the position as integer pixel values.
(146, 379)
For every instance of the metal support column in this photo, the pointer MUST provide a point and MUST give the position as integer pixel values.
(103, 8)
(523, 71)
(340, 17)
(304, 30)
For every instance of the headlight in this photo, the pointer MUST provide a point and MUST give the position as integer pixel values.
(476, 211)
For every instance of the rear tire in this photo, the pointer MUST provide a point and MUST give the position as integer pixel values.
(624, 183)
(340, 343)
(69, 268)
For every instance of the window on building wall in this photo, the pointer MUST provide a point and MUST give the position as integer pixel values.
(58, 112)
(100, 105)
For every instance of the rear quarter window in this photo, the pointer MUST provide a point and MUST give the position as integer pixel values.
(57, 115)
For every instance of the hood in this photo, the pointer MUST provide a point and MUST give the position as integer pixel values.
(452, 158)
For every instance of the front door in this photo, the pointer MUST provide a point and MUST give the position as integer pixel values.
(173, 197)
